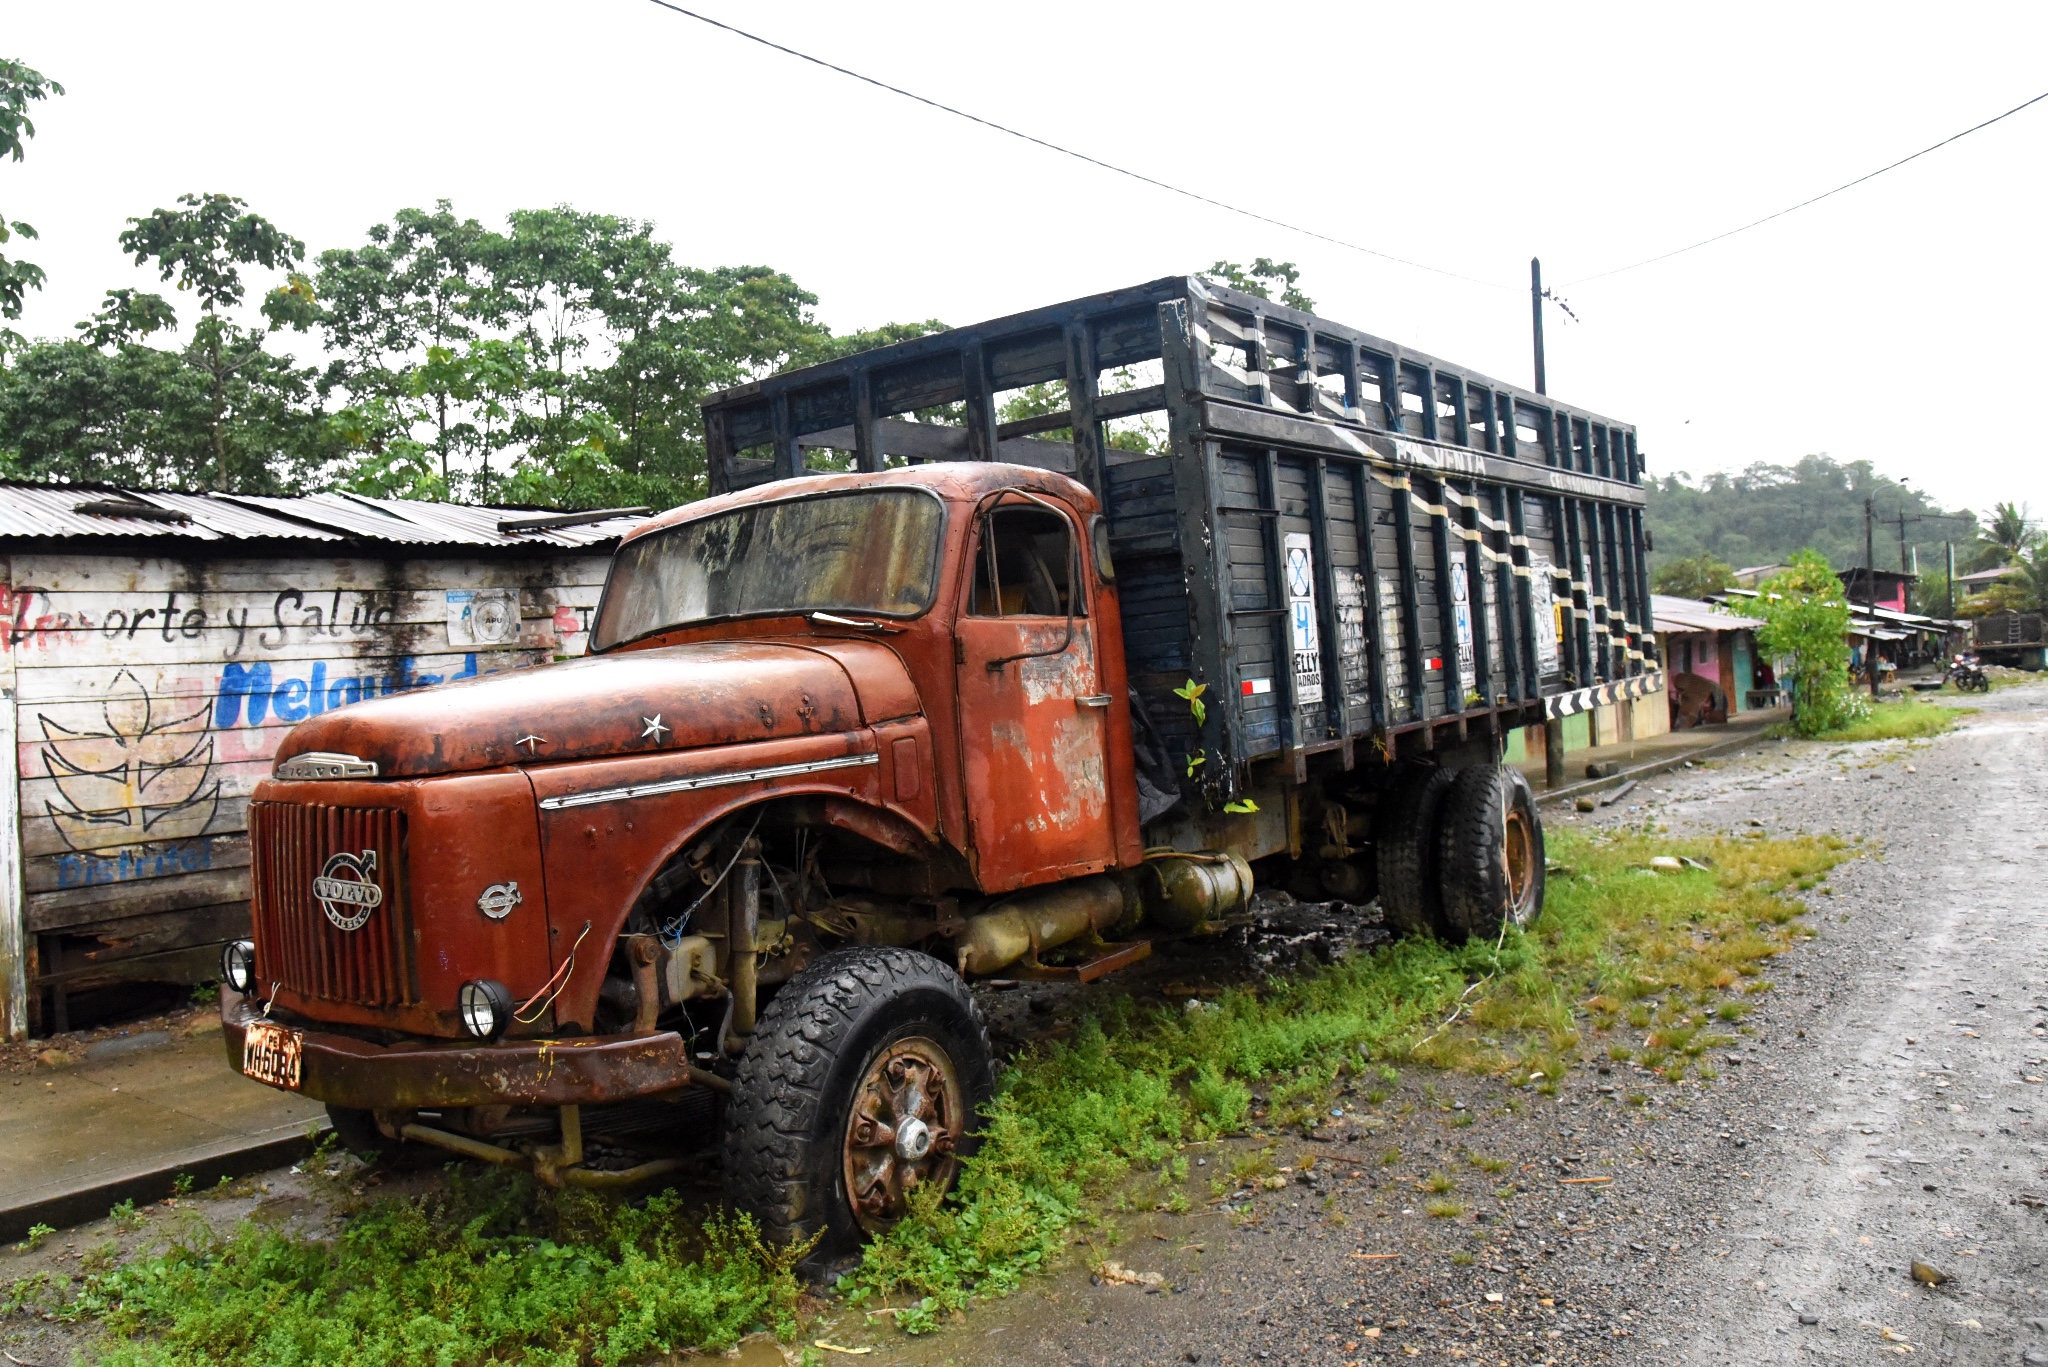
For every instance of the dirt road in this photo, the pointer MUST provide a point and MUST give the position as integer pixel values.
(1881, 1108)
(1912, 1121)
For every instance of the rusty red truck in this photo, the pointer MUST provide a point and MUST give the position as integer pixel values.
(918, 695)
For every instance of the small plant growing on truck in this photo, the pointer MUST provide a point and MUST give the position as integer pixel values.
(846, 741)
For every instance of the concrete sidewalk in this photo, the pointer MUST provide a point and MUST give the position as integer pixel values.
(132, 1115)
(1636, 758)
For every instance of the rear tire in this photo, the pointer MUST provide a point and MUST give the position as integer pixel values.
(850, 1050)
(1406, 843)
(1490, 849)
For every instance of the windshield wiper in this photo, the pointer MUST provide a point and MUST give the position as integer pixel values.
(832, 619)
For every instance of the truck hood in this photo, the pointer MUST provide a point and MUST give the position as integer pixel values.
(631, 702)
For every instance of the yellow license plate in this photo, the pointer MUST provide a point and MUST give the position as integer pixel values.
(270, 1053)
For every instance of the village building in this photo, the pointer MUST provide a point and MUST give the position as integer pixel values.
(1714, 668)
(158, 647)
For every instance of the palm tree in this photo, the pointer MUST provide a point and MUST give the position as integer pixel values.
(2007, 537)
(2033, 579)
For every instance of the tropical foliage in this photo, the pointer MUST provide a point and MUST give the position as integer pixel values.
(1694, 577)
(1805, 618)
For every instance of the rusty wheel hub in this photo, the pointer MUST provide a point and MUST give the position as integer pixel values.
(901, 1131)
(1519, 850)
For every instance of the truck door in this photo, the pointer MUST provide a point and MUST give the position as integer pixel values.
(1033, 716)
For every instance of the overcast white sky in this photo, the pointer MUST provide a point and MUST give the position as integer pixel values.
(1901, 322)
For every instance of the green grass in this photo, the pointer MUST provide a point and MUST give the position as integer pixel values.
(1072, 1121)
(493, 1269)
(1907, 720)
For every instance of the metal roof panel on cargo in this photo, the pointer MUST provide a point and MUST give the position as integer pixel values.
(101, 511)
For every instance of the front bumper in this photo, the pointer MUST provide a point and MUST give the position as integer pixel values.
(438, 1075)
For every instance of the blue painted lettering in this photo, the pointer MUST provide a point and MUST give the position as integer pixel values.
(237, 683)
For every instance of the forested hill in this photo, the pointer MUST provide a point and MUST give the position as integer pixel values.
(1766, 512)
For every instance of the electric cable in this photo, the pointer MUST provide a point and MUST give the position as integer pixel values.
(1757, 223)
(1112, 167)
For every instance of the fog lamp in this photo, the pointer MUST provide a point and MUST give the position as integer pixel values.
(486, 1008)
(238, 965)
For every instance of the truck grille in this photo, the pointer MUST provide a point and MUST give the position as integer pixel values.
(295, 845)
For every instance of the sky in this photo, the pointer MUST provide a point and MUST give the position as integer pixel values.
(1892, 323)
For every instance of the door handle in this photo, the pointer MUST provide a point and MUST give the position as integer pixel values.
(1093, 700)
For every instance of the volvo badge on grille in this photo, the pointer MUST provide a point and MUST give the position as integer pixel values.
(497, 900)
(347, 889)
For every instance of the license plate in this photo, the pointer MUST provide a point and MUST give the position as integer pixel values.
(270, 1053)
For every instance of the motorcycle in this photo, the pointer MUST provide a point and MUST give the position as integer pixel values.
(1968, 676)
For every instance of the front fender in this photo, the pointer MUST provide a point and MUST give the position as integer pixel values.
(607, 827)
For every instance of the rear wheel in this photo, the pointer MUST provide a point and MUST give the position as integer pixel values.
(1405, 841)
(863, 1083)
(1490, 848)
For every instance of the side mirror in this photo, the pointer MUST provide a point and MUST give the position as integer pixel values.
(1098, 538)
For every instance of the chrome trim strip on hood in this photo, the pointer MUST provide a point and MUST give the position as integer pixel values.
(684, 785)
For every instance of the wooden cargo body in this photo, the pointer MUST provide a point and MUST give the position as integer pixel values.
(1344, 542)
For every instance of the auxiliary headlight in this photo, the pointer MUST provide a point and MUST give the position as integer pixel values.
(486, 1008)
(238, 965)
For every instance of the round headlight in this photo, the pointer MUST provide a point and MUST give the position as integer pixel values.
(238, 965)
(486, 1008)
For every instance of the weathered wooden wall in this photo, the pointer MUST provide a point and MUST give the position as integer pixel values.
(145, 697)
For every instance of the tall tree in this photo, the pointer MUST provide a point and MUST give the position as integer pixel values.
(221, 411)
(2009, 535)
(20, 86)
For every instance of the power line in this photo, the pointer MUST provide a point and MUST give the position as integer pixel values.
(1070, 152)
(1718, 237)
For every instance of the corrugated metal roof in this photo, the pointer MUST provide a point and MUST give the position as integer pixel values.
(52, 511)
(1690, 614)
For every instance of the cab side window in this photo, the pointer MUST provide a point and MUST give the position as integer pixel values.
(1026, 566)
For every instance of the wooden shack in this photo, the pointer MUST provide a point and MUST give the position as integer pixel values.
(158, 647)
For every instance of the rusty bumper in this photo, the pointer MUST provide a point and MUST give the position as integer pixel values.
(434, 1074)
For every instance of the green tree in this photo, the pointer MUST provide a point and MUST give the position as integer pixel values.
(1694, 577)
(1806, 620)
(1762, 514)
(2009, 536)
(253, 396)
(20, 86)
(1262, 278)
(561, 360)
(221, 411)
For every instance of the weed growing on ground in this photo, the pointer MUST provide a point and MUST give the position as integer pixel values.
(1906, 720)
(1072, 1121)
(491, 1269)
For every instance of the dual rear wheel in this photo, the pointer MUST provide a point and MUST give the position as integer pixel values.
(1460, 852)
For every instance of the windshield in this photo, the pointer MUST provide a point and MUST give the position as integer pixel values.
(875, 551)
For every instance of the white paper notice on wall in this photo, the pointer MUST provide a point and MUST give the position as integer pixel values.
(483, 617)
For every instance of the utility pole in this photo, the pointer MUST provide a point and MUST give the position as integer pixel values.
(1870, 588)
(1553, 727)
(1951, 580)
(1902, 541)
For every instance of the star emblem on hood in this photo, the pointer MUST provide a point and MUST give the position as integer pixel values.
(655, 730)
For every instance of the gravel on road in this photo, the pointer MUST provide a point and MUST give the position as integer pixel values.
(1879, 1110)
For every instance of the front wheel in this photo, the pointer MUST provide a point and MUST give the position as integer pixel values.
(1490, 851)
(864, 1082)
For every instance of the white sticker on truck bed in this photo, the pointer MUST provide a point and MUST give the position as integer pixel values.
(1301, 619)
